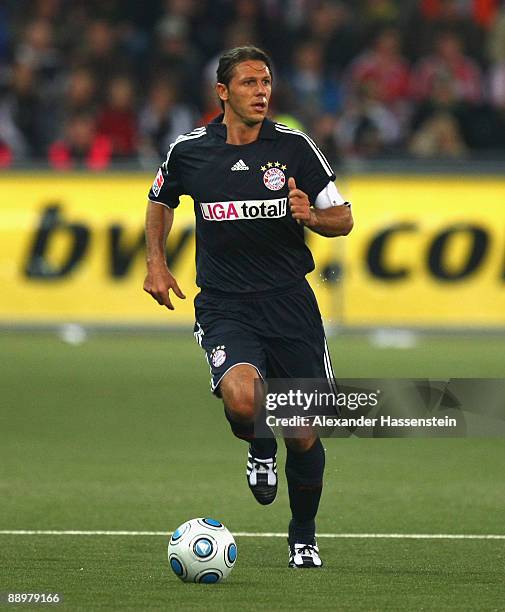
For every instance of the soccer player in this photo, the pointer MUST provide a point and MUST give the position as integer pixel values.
(256, 185)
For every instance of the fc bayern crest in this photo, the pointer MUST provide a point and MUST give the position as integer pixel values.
(218, 356)
(274, 179)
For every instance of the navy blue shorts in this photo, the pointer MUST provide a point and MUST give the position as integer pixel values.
(280, 334)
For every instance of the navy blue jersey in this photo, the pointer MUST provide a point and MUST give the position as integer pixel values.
(246, 239)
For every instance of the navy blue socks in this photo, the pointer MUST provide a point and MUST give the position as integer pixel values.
(304, 473)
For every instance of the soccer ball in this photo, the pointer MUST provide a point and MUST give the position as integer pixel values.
(202, 550)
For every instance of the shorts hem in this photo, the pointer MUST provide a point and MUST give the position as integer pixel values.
(215, 387)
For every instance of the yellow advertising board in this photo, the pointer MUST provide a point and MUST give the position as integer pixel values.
(72, 250)
(427, 251)
(424, 251)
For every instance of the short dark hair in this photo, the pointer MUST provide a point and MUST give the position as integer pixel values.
(232, 57)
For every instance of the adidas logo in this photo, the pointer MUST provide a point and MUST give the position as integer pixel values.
(240, 165)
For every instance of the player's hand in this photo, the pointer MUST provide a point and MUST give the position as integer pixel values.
(158, 282)
(299, 204)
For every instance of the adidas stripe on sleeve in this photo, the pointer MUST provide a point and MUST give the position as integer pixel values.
(167, 188)
(315, 171)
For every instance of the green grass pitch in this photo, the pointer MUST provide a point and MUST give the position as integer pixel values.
(121, 433)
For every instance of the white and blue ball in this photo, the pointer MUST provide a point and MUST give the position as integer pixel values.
(202, 550)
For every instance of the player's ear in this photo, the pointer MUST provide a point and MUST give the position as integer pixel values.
(222, 91)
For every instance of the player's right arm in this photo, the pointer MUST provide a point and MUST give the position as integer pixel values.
(163, 198)
(159, 280)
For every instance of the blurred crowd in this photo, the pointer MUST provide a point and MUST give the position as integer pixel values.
(85, 83)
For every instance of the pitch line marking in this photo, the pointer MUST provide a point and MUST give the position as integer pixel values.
(249, 534)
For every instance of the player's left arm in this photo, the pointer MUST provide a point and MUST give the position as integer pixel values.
(331, 220)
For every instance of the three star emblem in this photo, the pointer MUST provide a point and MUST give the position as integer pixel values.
(270, 164)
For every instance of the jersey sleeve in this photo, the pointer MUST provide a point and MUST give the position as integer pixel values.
(166, 187)
(315, 171)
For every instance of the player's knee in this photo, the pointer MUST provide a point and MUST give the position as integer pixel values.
(300, 445)
(238, 393)
(240, 404)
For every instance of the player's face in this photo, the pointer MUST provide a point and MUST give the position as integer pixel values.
(249, 91)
